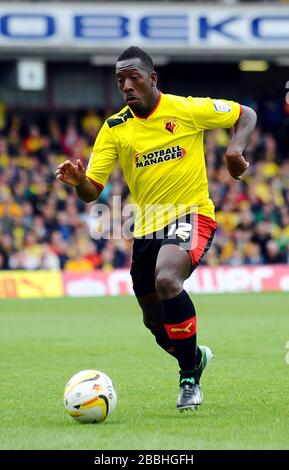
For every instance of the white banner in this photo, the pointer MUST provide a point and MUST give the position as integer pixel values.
(203, 281)
(79, 27)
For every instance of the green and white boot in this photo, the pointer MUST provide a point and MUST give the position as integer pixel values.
(190, 396)
(207, 356)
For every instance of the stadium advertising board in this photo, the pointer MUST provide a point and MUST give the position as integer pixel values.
(97, 283)
(204, 280)
(43, 284)
(186, 28)
(30, 284)
(239, 279)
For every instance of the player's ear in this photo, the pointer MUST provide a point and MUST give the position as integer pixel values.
(154, 78)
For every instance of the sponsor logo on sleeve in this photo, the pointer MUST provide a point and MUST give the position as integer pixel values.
(222, 106)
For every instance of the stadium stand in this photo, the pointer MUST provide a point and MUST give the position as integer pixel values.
(44, 226)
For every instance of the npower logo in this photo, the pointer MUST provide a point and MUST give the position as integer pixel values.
(88, 26)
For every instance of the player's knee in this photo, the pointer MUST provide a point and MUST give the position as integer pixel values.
(167, 285)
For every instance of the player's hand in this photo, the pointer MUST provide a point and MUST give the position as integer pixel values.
(236, 165)
(71, 173)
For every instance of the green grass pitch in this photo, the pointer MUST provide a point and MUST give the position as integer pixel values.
(44, 342)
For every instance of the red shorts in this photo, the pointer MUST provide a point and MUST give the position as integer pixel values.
(205, 230)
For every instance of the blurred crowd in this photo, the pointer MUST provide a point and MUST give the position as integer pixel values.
(43, 225)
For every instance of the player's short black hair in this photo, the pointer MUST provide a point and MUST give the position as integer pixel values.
(134, 52)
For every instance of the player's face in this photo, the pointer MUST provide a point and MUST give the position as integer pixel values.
(137, 86)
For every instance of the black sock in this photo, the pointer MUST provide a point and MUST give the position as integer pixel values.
(165, 342)
(180, 323)
(198, 356)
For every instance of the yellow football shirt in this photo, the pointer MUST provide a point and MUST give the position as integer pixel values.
(162, 157)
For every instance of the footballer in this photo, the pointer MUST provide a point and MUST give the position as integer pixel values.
(157, 139)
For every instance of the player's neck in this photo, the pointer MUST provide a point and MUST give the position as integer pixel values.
(150, 108)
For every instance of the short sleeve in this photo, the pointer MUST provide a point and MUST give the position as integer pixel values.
(103, 158)
(211, 113)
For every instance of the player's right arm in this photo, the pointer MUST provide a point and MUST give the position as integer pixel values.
(90, 182)
(74, 175)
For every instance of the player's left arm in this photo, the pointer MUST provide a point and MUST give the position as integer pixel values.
(236, 163)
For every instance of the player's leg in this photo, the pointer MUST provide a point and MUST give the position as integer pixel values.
(174, 265)
(143, 277)
(172, 268)
(153, 318)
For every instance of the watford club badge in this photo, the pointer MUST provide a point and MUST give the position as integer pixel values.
(171, 126)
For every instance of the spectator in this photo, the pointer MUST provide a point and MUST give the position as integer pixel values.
(273, 254)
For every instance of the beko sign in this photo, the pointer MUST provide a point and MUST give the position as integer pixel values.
(163, 27)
